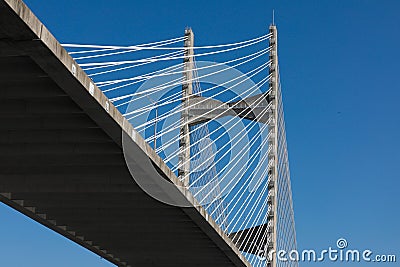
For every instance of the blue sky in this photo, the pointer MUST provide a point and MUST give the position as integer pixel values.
(338, 65)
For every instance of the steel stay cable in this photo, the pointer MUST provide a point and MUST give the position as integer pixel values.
(162, 48)
(127, 114)
(241, 137)
(173, 58)
(172, 154)
(163, 87)
(109, 49)
(129, 67)
(173, 126)
(254, 86)
(254, 55)
(122, 52)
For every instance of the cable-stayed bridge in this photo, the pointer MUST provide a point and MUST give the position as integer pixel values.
(159, 154)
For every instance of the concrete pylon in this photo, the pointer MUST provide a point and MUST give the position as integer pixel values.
(273, 157)
(187, 90)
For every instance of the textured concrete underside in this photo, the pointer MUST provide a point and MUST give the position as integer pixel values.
(62, 163)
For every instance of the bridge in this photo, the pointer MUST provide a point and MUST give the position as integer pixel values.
(143, 177)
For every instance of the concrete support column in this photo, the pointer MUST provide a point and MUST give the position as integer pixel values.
(187, 89)
(273, 142)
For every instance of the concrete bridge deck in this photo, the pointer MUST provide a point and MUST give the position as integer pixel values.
(62, 162)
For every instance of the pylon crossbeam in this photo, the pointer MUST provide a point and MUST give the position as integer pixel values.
(253, 108)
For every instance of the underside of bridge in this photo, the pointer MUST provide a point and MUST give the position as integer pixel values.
(62, 162)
